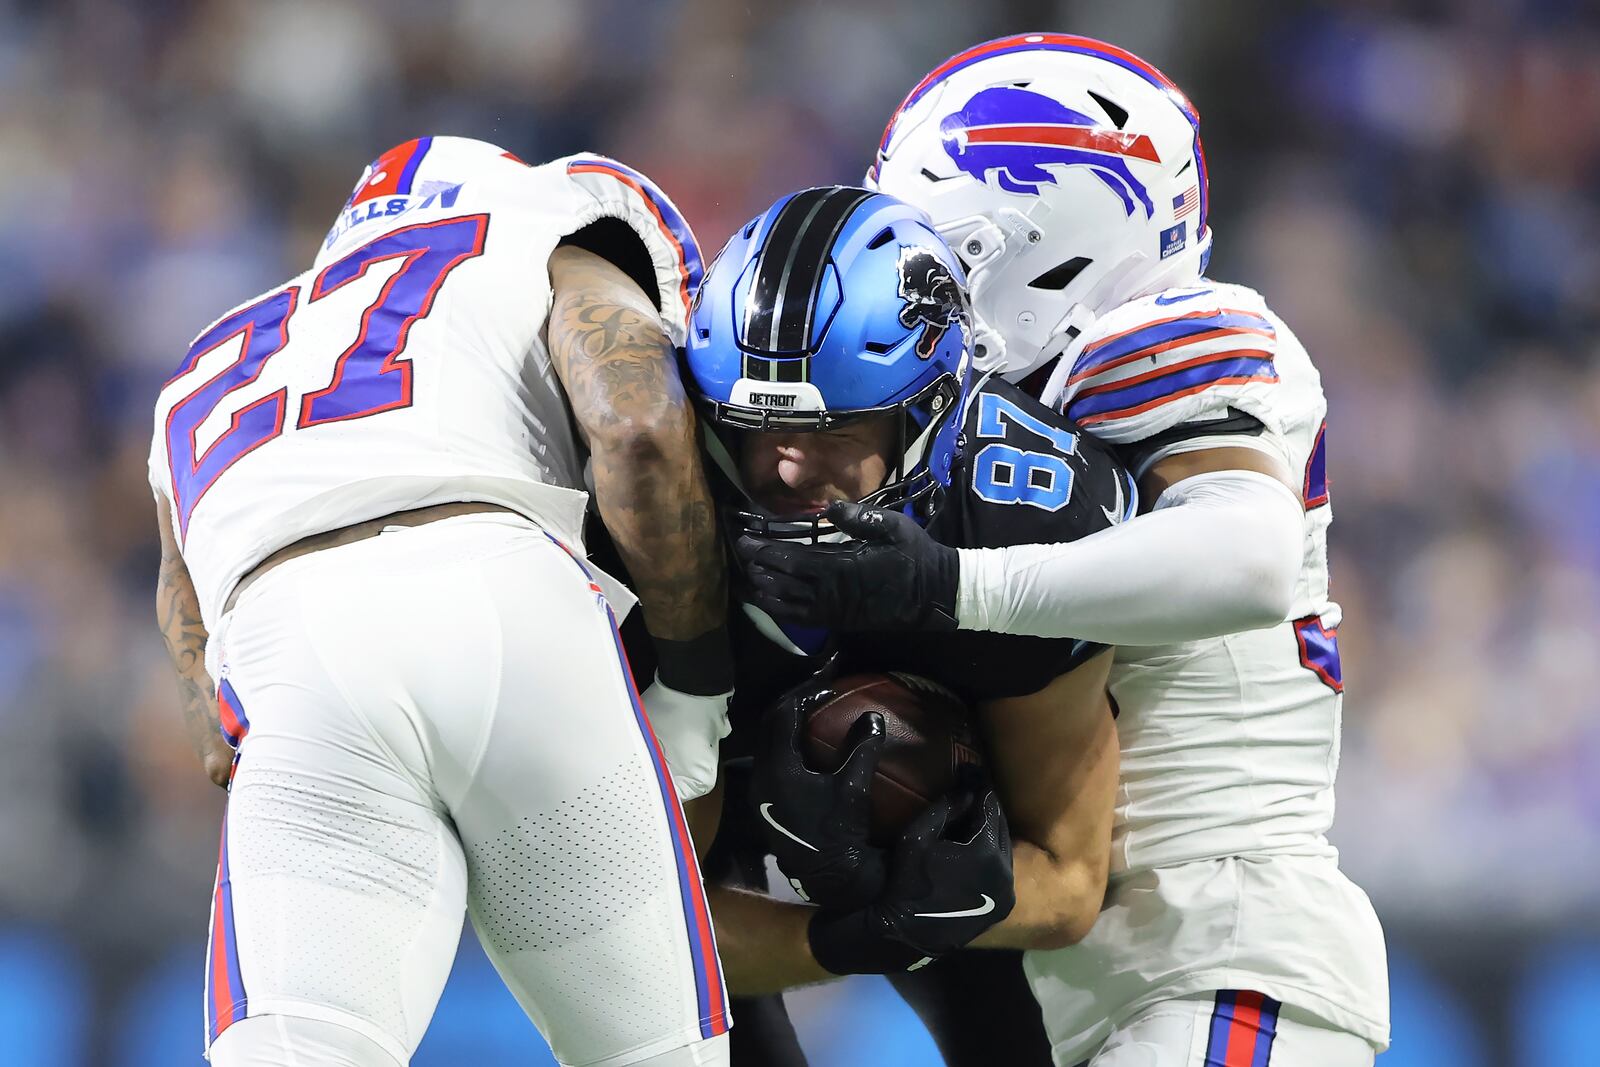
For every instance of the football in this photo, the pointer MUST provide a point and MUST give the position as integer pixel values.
(928, 737)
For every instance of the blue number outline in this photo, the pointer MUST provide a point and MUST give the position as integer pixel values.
(264, 327)
(994, 412)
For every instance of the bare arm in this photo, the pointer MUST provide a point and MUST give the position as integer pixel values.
(178, 615)
(763, 943)
(621, 379)
(1170, 470)
(1055, 759)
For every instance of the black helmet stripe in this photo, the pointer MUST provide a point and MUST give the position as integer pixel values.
(764, 306)
(781, 306)
(804, 281)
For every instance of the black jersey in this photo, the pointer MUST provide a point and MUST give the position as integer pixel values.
(1024, 474)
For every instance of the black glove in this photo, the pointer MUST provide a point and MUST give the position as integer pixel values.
(893, 576)
(816, 823)
(949, 881)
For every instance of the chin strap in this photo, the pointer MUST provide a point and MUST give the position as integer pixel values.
(1067, 337)
(1056, 384)
(987, 246)
(982, 249)
(1072, 333)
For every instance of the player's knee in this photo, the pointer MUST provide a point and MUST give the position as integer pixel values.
(711, 1052)
(274, 1040)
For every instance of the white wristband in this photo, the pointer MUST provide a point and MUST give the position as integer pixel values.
(690, 729)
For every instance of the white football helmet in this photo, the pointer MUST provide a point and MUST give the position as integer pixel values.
(1067, 173)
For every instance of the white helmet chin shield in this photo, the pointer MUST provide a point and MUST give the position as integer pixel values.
(1067, 173)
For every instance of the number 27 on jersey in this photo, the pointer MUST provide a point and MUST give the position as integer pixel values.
(367, 378)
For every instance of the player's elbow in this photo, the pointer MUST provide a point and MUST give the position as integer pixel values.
(1260, 600)
(1261, 588)
(658, 433)
(1063, 932)
(1063, 929)
(1249, 533)
(1073, 907)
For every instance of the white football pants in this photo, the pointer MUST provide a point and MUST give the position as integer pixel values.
(437, 719)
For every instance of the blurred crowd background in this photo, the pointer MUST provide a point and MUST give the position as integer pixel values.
(1414, 185)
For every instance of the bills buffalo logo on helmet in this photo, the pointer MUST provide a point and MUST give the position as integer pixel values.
(1015, 135)
(934, 299)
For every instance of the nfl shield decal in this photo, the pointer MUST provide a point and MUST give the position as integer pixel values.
(1173, 240)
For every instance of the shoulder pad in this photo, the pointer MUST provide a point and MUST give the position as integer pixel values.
(1171, 357)
(621, 192)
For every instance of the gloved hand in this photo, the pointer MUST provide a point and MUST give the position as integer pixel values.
(949, 881)
(813, 822)
(690, 729)
(892, 576)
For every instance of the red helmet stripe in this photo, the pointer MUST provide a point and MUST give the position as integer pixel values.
(1062, 42)
(1122, 144)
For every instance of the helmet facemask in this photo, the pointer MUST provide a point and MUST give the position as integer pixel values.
(835, 306)
(910, 485)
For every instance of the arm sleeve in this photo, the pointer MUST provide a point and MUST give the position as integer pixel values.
(1220, 553)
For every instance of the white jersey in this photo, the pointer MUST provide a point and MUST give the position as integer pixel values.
(1222, 874)
(407, 367)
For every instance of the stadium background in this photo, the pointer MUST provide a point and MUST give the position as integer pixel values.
(1412, 184)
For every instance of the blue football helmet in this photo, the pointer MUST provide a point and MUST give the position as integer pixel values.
(833, 305)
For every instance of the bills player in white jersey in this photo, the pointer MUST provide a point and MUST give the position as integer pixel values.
(1069, 175)
(371, 487)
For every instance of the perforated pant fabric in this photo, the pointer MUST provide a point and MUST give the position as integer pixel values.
(439, 721)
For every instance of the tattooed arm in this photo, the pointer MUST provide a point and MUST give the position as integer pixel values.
(178, 613)
(621, 379)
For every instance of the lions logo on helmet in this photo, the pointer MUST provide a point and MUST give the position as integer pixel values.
(934, 299)
(806, 323)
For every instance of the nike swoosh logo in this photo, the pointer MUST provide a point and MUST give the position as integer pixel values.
(1165, 300)
(983, 909)
(1115, 515)
(766, 813)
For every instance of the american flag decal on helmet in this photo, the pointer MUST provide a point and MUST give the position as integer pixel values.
(1183, 205)
(1053, 42)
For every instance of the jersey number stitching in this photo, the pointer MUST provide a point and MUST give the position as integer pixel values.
(1315, 491)
(1319, 651)
(369, 376)
(1005, 474)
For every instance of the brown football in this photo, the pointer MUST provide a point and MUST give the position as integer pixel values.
(928, 735)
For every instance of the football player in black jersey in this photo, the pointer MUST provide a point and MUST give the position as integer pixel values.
(830, 354)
